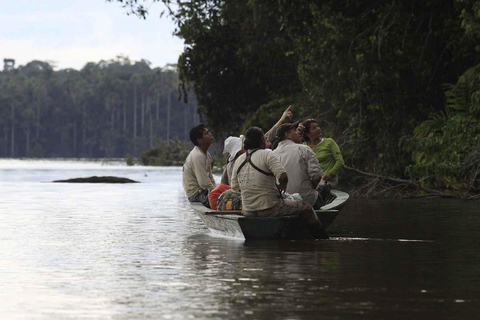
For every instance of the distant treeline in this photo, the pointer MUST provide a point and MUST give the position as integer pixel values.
(107, 109)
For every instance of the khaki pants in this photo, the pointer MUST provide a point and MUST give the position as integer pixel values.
(200, 196)
(287, 207)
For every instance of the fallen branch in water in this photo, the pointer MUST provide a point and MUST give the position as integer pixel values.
(379, 178)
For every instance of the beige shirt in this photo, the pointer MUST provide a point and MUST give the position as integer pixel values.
(302, 168)
(259, 191)
(197, 172)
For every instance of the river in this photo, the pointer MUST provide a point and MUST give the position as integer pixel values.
(136, 251)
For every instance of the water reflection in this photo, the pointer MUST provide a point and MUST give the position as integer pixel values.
(300, 279)
(138, 251)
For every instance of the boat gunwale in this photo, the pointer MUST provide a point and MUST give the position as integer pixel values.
(340, 199)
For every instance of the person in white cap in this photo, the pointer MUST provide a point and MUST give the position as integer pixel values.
(234, 147)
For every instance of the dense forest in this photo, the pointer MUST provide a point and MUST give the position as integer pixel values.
(106, 109)
(395, 83)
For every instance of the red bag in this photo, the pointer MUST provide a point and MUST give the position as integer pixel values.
(215, 193)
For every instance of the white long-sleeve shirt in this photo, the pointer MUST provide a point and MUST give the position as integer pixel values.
(302, 168)
(197, 172)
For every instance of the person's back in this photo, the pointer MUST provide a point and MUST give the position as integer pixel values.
(259, 190)
(302, 168)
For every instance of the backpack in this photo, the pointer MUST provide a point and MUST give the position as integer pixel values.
(229, 200)
(215, 193)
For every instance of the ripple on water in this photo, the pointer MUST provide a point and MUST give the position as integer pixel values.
(138, 251)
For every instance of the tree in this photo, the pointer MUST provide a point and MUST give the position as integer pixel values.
(86, 113)
(370, 71)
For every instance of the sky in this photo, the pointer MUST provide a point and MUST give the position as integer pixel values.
(71, 33)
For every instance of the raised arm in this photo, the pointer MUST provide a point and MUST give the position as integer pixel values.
(337, 155)
(287, 114)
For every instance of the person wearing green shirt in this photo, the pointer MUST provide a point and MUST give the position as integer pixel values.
(326, 150)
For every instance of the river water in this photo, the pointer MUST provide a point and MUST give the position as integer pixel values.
(136, 251)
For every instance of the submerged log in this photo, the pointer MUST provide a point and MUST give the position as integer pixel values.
(96, 179)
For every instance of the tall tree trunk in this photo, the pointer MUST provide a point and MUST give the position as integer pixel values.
(194, 115)
(143, 106)
(158, 107)
(74, 137)
(134, 112)
(112, 121)
(169, 102)
(185, 123)
(5, 139)
(12, 136)
(125, 111)
(27, 141)
(135, 119)
(84, 129)
(112, 135)
(62, 140)
(37, 124)
(150, 118)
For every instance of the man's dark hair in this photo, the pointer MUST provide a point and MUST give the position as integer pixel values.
(253, 138)
(197, 133)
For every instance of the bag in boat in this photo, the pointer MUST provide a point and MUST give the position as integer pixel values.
(215, 193)
(229, 200)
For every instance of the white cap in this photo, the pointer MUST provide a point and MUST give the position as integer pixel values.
(233, 145)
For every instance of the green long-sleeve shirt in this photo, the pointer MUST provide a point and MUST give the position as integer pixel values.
(329, 156)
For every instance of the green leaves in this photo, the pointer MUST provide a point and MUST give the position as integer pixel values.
(445, 149)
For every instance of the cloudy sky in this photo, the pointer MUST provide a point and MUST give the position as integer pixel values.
(71, 33)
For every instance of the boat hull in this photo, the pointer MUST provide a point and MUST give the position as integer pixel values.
(233, 224)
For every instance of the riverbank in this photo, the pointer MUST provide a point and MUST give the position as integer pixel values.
(361, 184)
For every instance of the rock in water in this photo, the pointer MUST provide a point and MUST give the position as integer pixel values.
(96, 179)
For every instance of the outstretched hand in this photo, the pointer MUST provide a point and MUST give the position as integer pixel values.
(287, 114)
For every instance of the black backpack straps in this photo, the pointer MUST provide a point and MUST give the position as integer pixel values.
(260, 170)
(241, 166)
(248, 158)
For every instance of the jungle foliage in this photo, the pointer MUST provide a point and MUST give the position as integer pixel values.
(166, 153)
(372, 72)
(106, 109)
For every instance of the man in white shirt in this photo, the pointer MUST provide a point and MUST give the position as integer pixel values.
(300, 163)
(255, 175)
(197, 177)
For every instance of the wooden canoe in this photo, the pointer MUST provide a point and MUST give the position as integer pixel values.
(234, 224)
